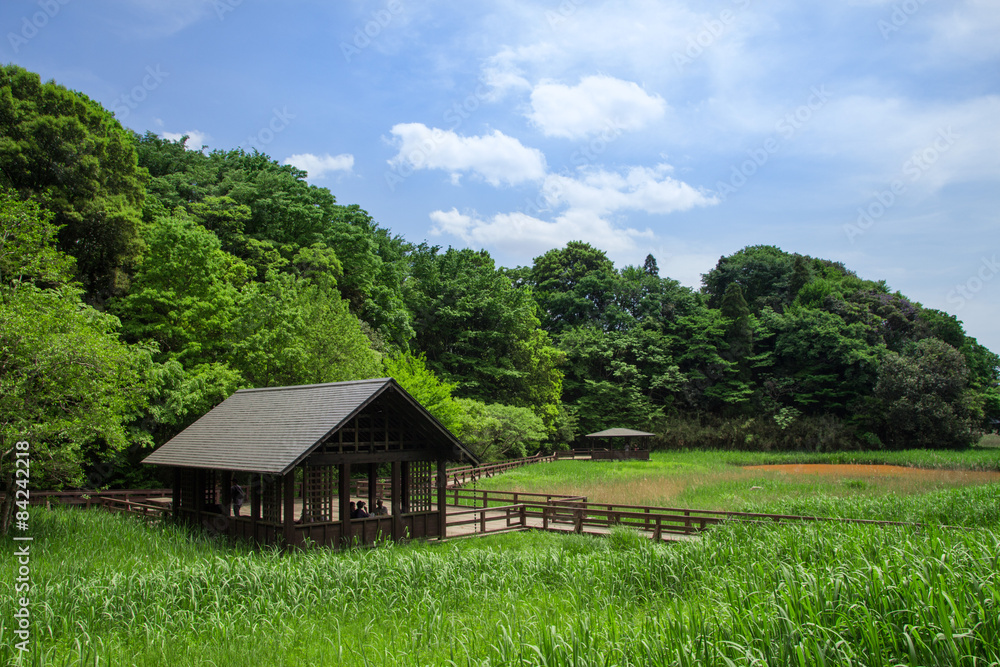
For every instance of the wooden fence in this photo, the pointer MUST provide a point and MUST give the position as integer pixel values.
(90, 498)
(456, 476)
(576, 515)
(478, 512)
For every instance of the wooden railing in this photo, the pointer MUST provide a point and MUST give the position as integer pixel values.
(456, 476)
(576, 515)
(84, 498)
(144, 510)
(466, 474)
(464, 497)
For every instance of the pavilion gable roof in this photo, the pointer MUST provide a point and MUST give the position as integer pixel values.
(619, 433)
(271, 430)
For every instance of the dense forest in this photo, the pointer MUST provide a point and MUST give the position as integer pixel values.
(142, 282)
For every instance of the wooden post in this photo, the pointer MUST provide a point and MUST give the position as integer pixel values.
(442, 498)
(344, 504)
(227, 483)
(288, 514)
(578, 521)
(199, 495)
(372, 485)
(405, 486)
(397, 501)
(176, 495)
(255, 488)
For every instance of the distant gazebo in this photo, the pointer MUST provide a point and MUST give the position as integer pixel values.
(635, 445)
(294, 450)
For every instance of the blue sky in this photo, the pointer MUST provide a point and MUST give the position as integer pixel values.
(863, 131)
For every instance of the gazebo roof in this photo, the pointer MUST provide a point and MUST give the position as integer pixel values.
(619, 433)
(271, 430)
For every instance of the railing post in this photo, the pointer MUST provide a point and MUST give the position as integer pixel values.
(545, 517)
(482, 521)
(658, 530)
(524, 516)
(578, 521)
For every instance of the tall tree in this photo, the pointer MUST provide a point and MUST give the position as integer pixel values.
(71, 155)
(481, 331)
(923, 398)
(68, 385)
(575, 285)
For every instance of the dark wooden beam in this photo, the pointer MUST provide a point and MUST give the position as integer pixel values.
(227, 483)
(372, 483)
(344, 502)
(397, 505)
(337, 458)
(405, 494)
(288, 482)
(442, 486)
(176, 494)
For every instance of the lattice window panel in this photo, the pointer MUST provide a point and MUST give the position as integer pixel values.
(319, 486)
(187, 488)
(208, 477)
(270, 501)
(420, 486)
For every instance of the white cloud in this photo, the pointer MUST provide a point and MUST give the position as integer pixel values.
(521, 234)
(496, 158)
(596, 104)
(196, 138)
(317, 166)
(587, 206)
(652, 190)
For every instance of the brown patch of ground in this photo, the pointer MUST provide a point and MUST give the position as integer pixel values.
(867, 471)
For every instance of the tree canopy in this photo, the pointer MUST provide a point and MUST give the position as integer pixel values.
(141, 283)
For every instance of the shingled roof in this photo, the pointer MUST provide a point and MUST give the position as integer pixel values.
(271, 430)
(619, 433)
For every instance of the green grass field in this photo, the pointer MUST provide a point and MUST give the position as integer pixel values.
(719, 480)
(107, 590)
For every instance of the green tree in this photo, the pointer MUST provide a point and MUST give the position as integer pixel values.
(480, 331)
(184, 295)
(411, 372)
(291, 330)
(68, 385)
(495, 431)
(923, 399)
(574, 286)
(71, 155)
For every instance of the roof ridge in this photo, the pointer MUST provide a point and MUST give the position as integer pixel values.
(314, 386)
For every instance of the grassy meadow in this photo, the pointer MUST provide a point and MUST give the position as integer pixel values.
(721, 480)
(108, 590)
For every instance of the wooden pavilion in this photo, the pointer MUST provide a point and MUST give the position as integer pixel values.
(636, 445)
(294, 451)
